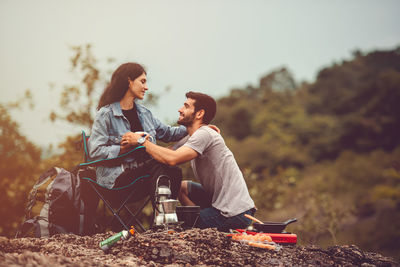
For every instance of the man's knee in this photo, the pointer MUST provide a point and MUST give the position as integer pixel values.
(184, 188)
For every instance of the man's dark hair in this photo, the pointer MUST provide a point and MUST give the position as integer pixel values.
(205, 102)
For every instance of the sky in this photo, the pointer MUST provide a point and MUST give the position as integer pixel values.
(209, 46)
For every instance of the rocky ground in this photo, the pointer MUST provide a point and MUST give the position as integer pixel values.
(175, 248)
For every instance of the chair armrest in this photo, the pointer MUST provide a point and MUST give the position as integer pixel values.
(116, 160)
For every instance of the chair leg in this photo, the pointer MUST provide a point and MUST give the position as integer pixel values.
(115, 214)
(124, 205)
(134, 215)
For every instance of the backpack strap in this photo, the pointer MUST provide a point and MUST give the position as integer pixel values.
(39, 223)
(82, 218)
(32, 194)
(27, 227)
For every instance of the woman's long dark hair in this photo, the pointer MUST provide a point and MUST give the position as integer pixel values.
(119, 84)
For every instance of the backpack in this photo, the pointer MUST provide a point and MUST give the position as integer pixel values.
(54, 206)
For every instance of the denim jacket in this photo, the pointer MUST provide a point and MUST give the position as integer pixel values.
(108, 128)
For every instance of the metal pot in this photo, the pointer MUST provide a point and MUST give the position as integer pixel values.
(188, 215)
(169, 207)
(273, 227)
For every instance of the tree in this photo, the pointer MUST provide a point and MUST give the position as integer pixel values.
(322, 151)
(19, 169)
(363, 93)
(78, 103)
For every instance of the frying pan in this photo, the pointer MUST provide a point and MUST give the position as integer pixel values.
(273, 227)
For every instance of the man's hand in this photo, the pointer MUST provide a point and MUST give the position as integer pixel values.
(130, 139)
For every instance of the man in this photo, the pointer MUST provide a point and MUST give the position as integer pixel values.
(222, 194)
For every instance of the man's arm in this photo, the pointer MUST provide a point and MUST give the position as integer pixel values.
(168, 156)
(159, 153)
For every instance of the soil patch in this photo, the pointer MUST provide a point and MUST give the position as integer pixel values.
(193, 247)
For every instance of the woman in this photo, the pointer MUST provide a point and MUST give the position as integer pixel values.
(118, 116)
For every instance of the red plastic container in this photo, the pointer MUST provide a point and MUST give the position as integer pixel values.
(279, 238)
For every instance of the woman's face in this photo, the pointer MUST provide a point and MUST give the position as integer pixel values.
(138, 87)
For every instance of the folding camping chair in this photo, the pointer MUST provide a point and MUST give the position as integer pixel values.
(116, 199)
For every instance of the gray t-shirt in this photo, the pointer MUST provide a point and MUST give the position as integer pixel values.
(218, 172)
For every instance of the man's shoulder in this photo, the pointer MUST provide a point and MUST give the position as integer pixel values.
(203, 131)
(210, 131)
(205, 134)
(199, 141)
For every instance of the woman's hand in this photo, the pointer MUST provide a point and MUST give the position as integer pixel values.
(215, 128)
(130, 139)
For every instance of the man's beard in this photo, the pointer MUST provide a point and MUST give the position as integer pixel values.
(186, 121)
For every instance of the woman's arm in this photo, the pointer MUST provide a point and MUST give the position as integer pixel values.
(98, 145)
(167, 133)
(176, 133)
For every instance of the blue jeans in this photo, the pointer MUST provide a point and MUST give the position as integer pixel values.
(211, 217)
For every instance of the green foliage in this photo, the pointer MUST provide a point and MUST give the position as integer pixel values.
(363, 94)
(19, 167)
(326, 152)
(78, 102)
(322, 152)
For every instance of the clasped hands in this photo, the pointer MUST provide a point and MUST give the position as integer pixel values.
(131, 139)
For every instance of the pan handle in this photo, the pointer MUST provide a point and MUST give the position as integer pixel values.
(253, 218)
(290, 221)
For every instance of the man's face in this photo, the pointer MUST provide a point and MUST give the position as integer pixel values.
(186, 113)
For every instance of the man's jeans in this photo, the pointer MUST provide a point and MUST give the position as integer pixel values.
(211, 217)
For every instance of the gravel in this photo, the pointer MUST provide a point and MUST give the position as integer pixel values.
(192, 247)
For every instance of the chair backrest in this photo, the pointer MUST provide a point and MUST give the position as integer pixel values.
(85, 139)
(82, 145)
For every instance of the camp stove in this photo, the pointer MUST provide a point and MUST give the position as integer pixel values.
(165, 208)
(163, 192)
(283, 238)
